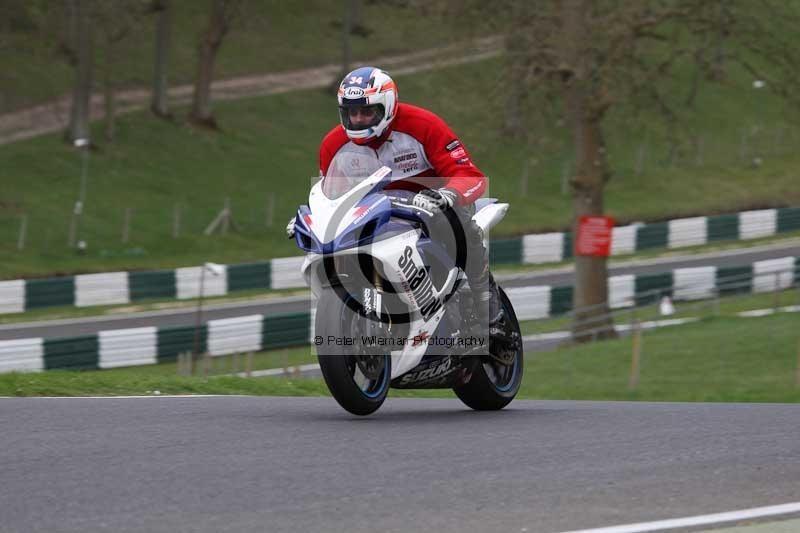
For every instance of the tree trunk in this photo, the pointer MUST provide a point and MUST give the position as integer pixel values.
(78, 127)
(591, 318)
(159, 103)
(355, 20)
(347, 28)
(109, 94)
(718, 65)
(357, 26)
(201, 114)
(515, 67)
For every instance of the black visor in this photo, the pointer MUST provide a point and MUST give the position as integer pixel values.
(350, 119)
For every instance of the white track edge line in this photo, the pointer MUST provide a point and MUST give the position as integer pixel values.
(699, 520)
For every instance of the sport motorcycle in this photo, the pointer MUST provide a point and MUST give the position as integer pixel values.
(394, 309)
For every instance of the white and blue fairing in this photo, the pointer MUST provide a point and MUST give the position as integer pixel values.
(353, 215)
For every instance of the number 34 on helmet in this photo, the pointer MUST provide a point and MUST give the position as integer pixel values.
(367, 103)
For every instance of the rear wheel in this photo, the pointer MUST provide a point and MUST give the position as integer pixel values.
(358, 381)
(497, 377)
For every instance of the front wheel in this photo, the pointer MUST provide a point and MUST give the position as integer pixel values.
(358, 381)
(497, 377)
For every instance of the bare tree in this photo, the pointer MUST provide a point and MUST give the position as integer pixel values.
(221, 15)
(116, 20)
(347, 29)
(581, 58)
(351, 24)
(81, 41)
(159, 102)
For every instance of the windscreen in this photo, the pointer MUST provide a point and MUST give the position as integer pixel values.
(348, 169)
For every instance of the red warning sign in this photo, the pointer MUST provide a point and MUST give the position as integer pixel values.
(594, 236)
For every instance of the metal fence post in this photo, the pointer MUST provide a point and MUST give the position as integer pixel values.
(23, 231)
(797, 369)
(776, 296)
(176, 221)
(633, 378)
(226, 221)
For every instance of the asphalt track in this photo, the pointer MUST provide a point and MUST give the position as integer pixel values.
(210, 464)
(560, 276)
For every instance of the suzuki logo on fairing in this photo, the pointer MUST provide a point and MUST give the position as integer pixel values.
(354, 92)
(431, 373)
(420, 284)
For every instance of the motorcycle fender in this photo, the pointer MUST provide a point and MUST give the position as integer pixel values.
(305, 270)
(489, 216)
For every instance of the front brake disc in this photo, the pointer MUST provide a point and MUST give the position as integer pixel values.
(370, 365)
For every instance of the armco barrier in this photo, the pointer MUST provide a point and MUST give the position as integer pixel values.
(17, 296)
(140, 346)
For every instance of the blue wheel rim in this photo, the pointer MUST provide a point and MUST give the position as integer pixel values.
(494, 375)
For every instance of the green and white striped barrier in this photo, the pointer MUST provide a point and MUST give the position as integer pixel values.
(672, 234)
(150, 345)
(111, 288)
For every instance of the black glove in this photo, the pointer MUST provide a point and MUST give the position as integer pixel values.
(435, 200)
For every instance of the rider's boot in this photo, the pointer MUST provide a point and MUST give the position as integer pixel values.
(487, 303)
(484, 289)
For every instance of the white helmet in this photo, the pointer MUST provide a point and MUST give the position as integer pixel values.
(367, 88)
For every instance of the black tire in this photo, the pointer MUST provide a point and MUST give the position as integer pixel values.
(339, 363)
(485, 391)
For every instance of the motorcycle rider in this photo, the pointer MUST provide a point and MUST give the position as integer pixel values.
(415, 143)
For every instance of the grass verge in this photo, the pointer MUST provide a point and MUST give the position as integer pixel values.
(727, 306)
(154, 170)
(720, 359)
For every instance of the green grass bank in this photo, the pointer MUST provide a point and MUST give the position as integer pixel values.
(723, 359)
(266, 155)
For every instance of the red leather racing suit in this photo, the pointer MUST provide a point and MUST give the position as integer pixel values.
(417, 144)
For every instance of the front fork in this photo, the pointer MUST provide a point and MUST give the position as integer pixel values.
(372, 364)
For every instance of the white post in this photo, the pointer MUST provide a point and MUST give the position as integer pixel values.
(23, 230)
(776, 295)
(523, 181)
(633, 378)
(73, 224)
(797, 371)
(565, 172)
(198, 320)
(641, 156)
(84, 145)
(176, 221)
(226, 219)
